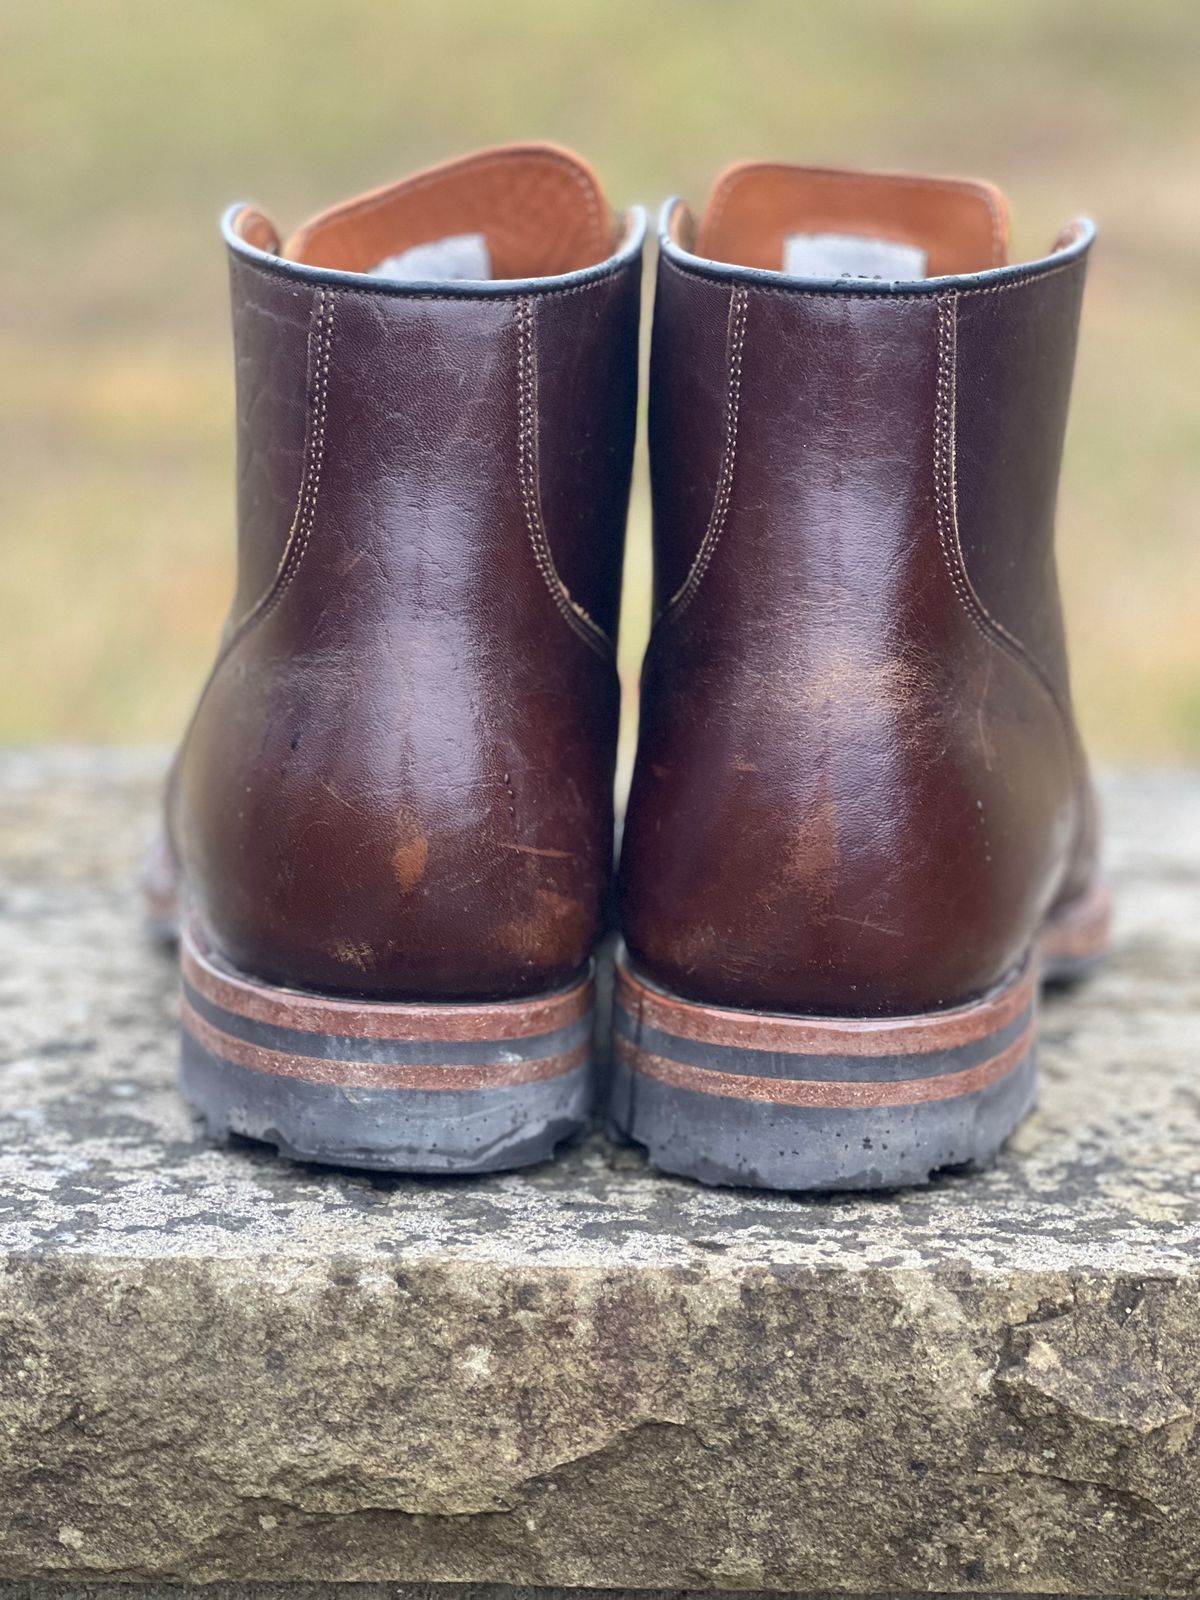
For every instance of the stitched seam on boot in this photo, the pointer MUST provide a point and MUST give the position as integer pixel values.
(571, 611)
(734, 343)
(300, 532)
(945, 470)
(320, 343)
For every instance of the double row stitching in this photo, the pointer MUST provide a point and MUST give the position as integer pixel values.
(735, 340)
(944, 468)
(527, 472)
(945, 471)
(320, 345)
(314, 457)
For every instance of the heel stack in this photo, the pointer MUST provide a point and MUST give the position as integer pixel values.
(432, 1088)
(803, 1103)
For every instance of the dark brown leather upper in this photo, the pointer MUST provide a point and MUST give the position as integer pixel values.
(859, 787)
(398, 781)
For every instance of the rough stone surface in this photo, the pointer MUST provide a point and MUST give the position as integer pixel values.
(396, 1591)
(391, 1591)
(215, 1367)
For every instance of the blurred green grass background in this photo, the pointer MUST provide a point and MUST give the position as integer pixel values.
(128, 124)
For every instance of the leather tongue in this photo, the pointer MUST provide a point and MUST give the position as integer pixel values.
(537, 210)
(822, 223)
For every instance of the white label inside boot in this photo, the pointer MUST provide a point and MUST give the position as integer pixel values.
(849, 255)
(461, 257)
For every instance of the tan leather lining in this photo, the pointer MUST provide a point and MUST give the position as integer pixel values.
(256, 229)
(541, 209)
(962, 225)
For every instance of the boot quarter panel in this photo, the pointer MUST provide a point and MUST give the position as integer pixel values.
(380, 810)
(837, 760)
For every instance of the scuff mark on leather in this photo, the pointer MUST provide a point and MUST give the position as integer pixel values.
(410, 854)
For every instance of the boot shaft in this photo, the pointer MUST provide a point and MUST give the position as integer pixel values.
(835, 426)
(399, 778)
(857, 728)
(421, 414)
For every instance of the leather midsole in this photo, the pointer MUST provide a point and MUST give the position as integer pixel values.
(383, 1044)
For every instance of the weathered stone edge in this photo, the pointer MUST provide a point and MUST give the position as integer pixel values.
(755, 1429)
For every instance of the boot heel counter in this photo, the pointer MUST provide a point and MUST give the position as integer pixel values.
(319, 852)
(893, 874)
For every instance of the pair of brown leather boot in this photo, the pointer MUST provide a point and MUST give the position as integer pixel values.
(860, 833)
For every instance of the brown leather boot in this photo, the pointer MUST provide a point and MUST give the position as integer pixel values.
(392, 813)
(861, 828)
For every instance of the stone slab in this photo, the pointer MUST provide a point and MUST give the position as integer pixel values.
(391, 1591)
(218, 1368)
